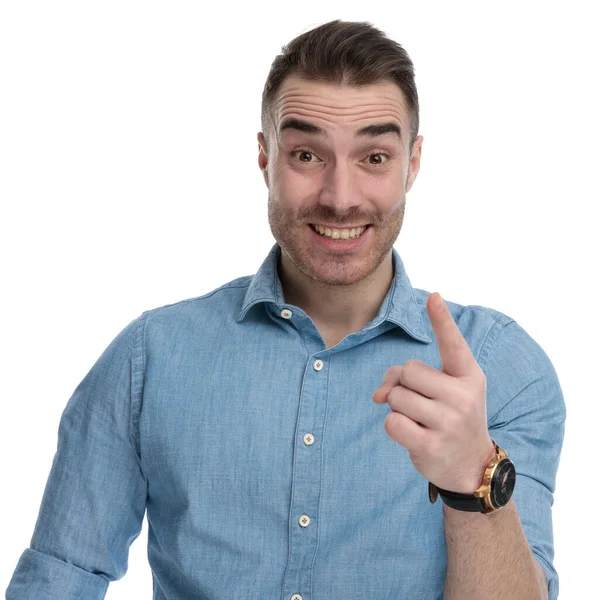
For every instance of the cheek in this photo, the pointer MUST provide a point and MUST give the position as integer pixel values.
(391, 190)
(384, 191)
(295, 184)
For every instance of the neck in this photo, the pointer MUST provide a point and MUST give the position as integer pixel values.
(338, 309)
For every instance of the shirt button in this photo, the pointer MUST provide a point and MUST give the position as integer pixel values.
(286, 314)
(309, 439)
(304, 521)
(318, 364)
(296, 597)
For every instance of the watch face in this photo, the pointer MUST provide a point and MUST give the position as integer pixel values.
(503, 483)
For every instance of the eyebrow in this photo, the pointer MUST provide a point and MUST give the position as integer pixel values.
(369, 130)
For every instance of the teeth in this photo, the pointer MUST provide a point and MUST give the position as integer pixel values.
(337, 234)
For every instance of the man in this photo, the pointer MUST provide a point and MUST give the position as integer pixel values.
(290, 432)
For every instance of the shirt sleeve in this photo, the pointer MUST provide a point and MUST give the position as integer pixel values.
(528, 421)
(94, 501)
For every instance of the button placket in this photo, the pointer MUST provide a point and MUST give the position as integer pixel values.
(307, 482)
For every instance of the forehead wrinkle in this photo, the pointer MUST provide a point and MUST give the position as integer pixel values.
(325, 110)
(331, 104)
(359, 114)
(354, 92)
(377, 101)
(328, 109)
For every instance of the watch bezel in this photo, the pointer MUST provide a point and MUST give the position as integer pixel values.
(496, 487)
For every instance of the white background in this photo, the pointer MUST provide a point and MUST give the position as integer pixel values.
(129, 180)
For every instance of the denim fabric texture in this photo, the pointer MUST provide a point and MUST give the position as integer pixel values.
(261, 460)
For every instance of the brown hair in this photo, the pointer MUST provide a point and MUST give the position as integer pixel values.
(343, 52)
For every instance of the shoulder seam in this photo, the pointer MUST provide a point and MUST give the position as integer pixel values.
(196, 298)
(490, 339)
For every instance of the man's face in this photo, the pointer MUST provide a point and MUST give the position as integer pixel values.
(337, 177)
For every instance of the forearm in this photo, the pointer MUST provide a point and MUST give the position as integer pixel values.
(489, 558)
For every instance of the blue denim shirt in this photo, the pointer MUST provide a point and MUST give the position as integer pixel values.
(262, 460)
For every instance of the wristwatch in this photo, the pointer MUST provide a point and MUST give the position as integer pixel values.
(495, 491)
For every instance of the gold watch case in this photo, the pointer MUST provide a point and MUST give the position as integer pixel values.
(504, 484)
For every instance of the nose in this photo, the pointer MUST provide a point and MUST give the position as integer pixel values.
(340, 190)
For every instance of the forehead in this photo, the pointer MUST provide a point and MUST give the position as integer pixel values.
(343, 107)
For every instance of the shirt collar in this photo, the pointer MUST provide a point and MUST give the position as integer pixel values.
(399, 306)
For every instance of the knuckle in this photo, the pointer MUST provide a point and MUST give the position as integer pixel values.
(388, 423)
(409, 367)
(479, 379)
(394, 395)
(482, 381)
(464, 408)
(465, 400)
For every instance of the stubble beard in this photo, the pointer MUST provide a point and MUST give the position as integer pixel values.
(329, 269)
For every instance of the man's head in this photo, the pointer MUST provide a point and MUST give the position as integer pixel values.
(324, 155)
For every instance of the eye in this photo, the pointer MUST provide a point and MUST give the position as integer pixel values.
(380, 155)
(303, 153)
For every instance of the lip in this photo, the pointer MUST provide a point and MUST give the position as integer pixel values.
(340, 226)
(337, 246)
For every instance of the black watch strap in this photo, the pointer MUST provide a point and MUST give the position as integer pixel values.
(459, 501)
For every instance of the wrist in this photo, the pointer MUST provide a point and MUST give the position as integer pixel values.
(469, 484)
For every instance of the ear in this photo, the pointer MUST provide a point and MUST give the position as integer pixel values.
(263, 158)
(415, 162)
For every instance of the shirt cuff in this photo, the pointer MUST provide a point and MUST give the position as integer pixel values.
(45, 577)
